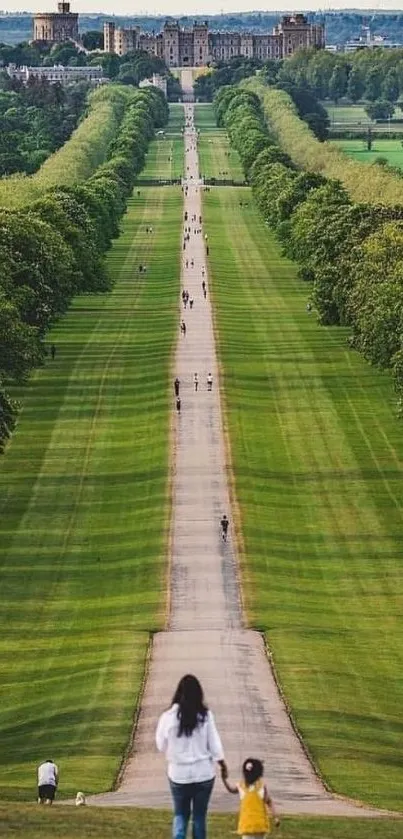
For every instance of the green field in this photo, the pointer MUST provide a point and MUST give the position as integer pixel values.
(121, 823)
(392, 150)
(84, 502)
(317, 452)
(165, 157)
(216, 157)
(343, 115)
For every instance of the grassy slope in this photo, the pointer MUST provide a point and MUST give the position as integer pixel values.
(165, 158)
(317, 453)
(121, 823)
(215, 153)
(83, 516)
(357, 149)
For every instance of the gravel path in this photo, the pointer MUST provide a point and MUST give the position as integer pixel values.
(205, 635)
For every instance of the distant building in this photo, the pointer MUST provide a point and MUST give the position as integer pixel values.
(156, 81)
(64, 75)
(197, 46)
(56, 27)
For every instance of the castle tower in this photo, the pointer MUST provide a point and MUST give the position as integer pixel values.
(109, 37)
(171, 43)
(56, 27)
(201, 50)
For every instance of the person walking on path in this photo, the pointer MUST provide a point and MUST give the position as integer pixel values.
(48, 779)
(187, 735)
(178, 404)
(196, 381)
(53, 351)
(224, 527)
(191, 303)
(176, 386)
(256, 811)
(183, 328)
(209, 382)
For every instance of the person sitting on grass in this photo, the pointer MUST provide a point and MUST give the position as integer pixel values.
(256, 811)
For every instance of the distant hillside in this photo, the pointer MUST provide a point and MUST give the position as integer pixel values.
(340, 26)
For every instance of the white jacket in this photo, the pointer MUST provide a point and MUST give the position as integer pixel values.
(190, 759)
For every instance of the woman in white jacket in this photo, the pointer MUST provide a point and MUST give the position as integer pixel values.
(187, 735)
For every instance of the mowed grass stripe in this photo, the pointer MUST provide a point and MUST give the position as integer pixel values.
(317, 452)
(84, 516)
(165, 157)
(216, 157)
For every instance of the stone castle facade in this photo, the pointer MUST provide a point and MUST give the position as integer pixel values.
(56, 27)
(197, 47)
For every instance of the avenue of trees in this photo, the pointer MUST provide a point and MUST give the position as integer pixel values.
(351, 253)
(296, 138)
(52, 249)
(35, 120)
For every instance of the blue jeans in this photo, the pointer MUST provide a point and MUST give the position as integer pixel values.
(190, 798)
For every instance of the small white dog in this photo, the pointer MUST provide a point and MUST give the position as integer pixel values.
(80, 799)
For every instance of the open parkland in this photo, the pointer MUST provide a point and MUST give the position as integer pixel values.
(93, 578)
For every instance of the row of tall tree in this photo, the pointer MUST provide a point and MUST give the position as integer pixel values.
(53, 249)
(296, 138)
(367, 74)
(350, 253)
(35, 120)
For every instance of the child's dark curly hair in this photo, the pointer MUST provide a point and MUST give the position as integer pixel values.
(252, 770)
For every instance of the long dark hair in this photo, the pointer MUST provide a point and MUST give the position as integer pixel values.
(192, 711)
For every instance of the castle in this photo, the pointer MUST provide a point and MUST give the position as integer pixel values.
(195, 47)
(198, 46)
(56, 27)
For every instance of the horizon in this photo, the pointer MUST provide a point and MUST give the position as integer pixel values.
(208, 8)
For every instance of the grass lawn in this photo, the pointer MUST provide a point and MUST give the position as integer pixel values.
(165, 157)
(317, 454)
(34, 822)
(176, 118)
(345, 114)
(357, 149)
(84, 508)
(216, 157)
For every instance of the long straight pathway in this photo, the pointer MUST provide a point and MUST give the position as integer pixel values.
(205, 633)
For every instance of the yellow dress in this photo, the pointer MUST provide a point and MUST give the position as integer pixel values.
(254, 814)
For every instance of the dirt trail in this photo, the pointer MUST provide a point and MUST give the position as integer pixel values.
(205, 634)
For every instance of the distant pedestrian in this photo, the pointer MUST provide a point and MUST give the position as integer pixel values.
(191, 263)
(178, 405)
(48, 779)
(183, 328)
(224, 527)
(177, 386)
(191, 303)
(196, 381)
(207, 250)
(53, 351)
(187, 263)
(209, 382)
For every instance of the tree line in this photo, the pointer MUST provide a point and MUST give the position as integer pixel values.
(363, 183)
(350, 253)
(35, 120)
(52, 249)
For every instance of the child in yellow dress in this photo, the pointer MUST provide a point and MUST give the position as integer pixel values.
(256, 811)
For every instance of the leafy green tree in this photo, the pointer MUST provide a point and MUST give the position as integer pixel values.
(355, 85)
(338, 83)
(381, 109)
(373, 84)
(390, 86)
(93, 39)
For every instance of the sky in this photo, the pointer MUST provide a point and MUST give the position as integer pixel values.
(179, 7)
